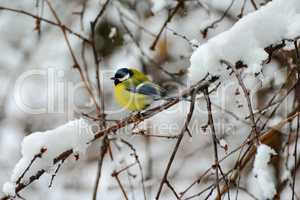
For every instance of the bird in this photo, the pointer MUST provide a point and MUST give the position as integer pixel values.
(134, 91)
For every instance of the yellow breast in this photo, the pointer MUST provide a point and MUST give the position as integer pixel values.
(131, 101)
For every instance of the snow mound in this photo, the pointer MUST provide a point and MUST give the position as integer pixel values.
(41, 148)
(247, 39)
(262, 180)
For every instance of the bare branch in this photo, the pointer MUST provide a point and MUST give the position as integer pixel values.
(180, 3)
(183, 130)
(46, 21)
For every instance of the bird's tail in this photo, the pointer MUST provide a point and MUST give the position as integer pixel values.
(165, 97)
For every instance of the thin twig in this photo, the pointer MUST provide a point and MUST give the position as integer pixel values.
(76, 63)
(172, 189)
(115, 175)
(183, 130)
(99, 167)
(139, 164)
(96, 57)
(39, 155)
(254, 4)
(54, 174)
(100, 111)
(298, 121)
(295, 158)
(214, 23)
(245, 158)
(214, 138)
(46, 21)
(138, 46)
(180, 3)
(246, 94)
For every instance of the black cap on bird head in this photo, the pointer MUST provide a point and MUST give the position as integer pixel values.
(121, 75)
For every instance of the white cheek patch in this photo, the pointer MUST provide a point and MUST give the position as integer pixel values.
(124, 78)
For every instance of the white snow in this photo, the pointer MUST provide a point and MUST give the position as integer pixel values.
(195, 43)
(262, 181)
(51, 52)
(247, 39)
(73, 135)
(158, 5)
(9, 189)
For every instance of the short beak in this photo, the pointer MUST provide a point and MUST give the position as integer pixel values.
(113, 78)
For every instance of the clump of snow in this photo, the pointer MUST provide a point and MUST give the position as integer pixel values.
(44, 147)
(9, 189)
(195, 43)
(246, 40)
(262, 182)
(158, 5)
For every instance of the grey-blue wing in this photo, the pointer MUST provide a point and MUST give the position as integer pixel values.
(150, 89)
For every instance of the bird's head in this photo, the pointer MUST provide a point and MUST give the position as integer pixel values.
(122, 75)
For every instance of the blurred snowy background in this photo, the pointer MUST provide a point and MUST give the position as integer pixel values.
(41, 90)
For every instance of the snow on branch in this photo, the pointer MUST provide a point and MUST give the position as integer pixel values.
(263, 180)
(41, 148)
(246, 41)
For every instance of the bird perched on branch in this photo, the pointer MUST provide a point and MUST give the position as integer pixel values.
(134, 91)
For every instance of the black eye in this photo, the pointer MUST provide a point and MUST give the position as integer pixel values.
(116, 81)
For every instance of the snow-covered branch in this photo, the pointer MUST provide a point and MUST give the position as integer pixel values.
(247, 40)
